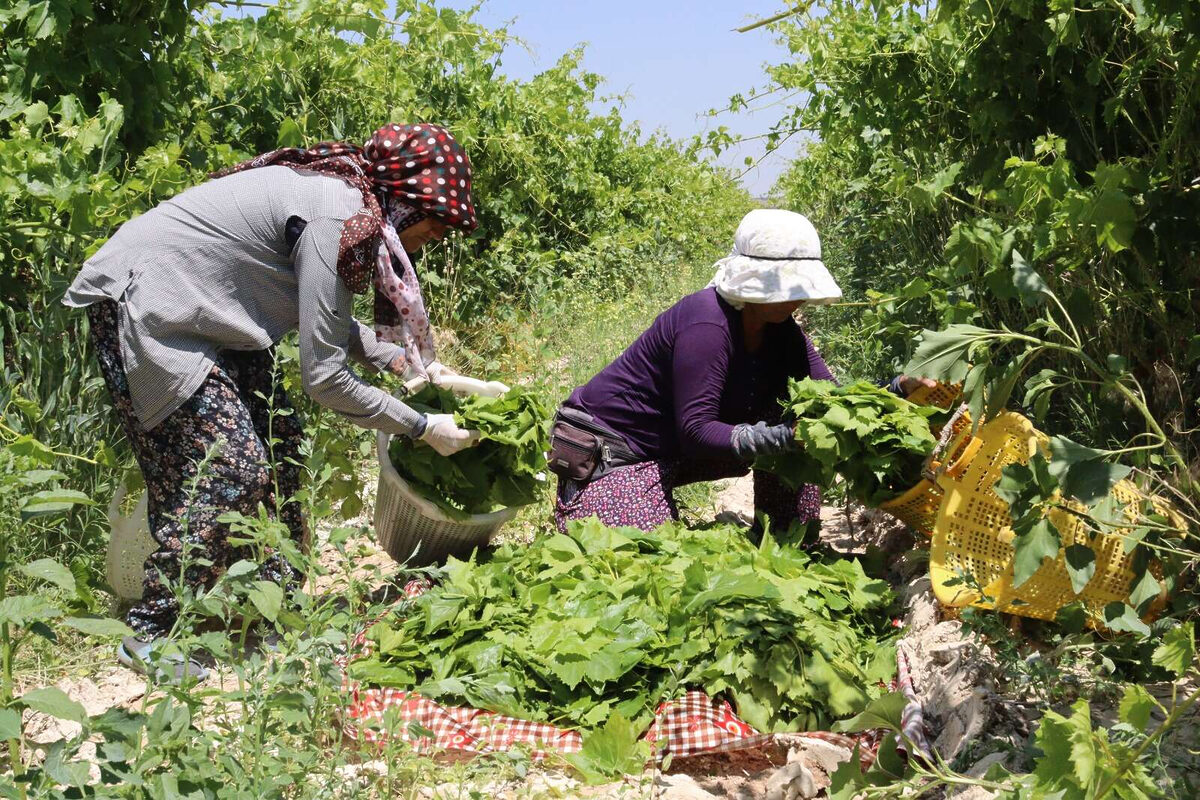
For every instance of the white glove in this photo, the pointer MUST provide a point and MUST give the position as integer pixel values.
(444, 436)
(465, 385)
(415, 381)
(446, 378)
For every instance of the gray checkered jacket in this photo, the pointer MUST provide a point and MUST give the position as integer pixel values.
(209, 270)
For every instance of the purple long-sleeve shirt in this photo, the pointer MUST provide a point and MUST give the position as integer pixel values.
(688, 379)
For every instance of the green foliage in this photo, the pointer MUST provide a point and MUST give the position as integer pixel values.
(171, 745)
(958, 145)
(1078, 759)
(575, 628)
(875, 440)
(952, 136)
(108, 109)
(40, 598)
(1079, 473)
(564, 193)
(882, 712)
(269, 724)
(1070, 476)
(1136, 706)
(508, 466)
(1177, 653)
(1073, 759)
(615, 749)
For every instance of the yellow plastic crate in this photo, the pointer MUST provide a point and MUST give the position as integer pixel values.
(973, 535)
(918, 507)
(943, 395)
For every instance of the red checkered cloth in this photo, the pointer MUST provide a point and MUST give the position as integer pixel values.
(694, 724)
(428, 726)
(697, 723)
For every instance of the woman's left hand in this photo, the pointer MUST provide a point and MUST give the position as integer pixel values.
(445, 378)
(909, 383)
(464, 385)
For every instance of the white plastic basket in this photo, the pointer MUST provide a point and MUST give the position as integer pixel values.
(416, 532)
(129, 545)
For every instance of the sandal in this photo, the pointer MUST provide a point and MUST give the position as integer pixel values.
(141, 655)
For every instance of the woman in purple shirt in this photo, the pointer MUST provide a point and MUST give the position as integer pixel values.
(696, 396)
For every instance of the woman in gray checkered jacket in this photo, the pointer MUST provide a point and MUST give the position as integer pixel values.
(187, 301)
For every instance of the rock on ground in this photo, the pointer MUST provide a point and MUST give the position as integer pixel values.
(112, 687)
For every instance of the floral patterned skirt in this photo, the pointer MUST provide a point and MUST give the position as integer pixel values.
(642, 495)
(209, 457)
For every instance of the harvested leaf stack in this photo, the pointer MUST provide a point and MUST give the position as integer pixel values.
(876, 441)
(506, 468)
(576, 628)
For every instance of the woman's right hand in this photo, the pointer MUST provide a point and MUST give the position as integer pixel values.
(760, 439)
(444, 436)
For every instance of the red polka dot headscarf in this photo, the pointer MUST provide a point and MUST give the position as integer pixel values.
(405, 173)
(419, 166)
(422, 166)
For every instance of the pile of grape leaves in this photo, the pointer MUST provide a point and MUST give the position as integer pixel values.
(506, 468)
(876, 441)
(601, 625)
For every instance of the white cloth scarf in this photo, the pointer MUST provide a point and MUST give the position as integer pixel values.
(413, 333)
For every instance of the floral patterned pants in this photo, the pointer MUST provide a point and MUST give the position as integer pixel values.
(231, 414)
(642, 496)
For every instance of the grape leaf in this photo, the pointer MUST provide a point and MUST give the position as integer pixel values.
(1177, 651)
(1121, 617)
(1081, 565)
(875, 440)
(1145, 591)
(1033, 545)
(1136, 706)
(883, 712)
(507, 468)
(1053, 739)
(1030, 286)
(945, 355)
(1089, 481)
(577, 626)
(610, 751)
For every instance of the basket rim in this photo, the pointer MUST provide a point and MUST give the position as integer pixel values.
(911, 493)
(387, 471)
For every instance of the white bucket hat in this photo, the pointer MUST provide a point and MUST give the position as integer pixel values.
(776, 258)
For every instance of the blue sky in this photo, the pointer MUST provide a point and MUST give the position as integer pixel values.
(674, 60)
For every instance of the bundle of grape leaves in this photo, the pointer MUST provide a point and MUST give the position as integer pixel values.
(876, 441)
(506, 468)
(606, 623)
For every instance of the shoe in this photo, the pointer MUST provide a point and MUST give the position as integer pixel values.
(142, 655)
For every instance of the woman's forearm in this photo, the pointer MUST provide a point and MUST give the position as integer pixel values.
(327, 330)
(369, 351)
